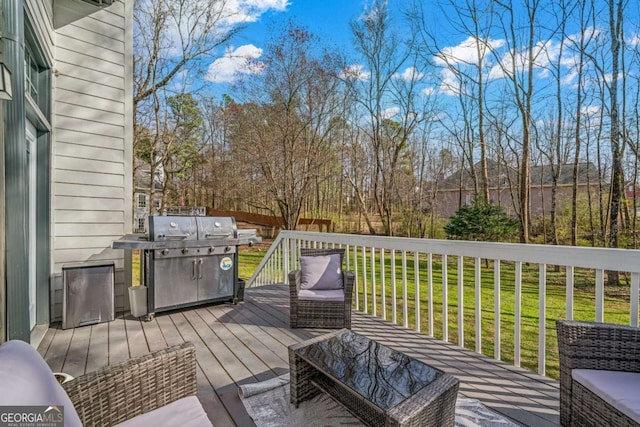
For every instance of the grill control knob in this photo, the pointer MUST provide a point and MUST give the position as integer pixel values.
(227, 249)
(185, 250)
(212, 249)
(165, 252)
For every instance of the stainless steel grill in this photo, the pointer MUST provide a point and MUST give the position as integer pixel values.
(189, 260)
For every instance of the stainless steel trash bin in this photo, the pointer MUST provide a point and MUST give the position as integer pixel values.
(138, 300)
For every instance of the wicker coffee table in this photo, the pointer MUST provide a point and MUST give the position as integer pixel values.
(377, 384)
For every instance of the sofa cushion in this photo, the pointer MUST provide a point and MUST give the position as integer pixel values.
(619, 389)
(26, 379)
(321, 295)
(186, 412)
(321, 272)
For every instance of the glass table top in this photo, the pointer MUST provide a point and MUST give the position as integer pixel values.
(378, 373)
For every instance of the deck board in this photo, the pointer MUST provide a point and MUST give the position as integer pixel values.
(248, 342)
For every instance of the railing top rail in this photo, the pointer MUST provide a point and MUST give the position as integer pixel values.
(625, 260)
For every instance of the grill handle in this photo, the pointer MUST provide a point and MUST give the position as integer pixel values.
(172, 236)
(194, 274)
(217, 236)
(200, 268)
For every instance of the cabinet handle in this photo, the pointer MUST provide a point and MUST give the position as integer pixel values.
(200, 269)
(194, 274)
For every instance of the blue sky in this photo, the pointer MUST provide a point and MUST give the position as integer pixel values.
(327, 19)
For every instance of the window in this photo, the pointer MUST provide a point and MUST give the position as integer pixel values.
(142, 201)
(30, 74)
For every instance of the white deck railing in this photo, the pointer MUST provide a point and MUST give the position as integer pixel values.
(501, 278)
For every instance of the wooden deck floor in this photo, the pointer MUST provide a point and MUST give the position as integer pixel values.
(248, 342)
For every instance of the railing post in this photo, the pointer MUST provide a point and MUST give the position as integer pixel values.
(416, 276)
(635, 291)
(445, 300)
(461, 301)
(394, 316)
(517, 323)
(599, 295)
(383, 285)
(430, 292)
(569, 291)
(496, 308)
(374, 310)
(542, 325)
(478, 294)
(405, 305)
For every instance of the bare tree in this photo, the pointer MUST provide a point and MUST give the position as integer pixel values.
(286, 130)
(170, 36)
(388, 125)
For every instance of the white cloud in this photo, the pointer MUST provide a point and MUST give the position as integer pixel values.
(466, 52)
(243, 11)
(234, 62)
(428, 91)
(410, 74)
(450, 85)
(590, 110)
(390, 112)
(355, 72)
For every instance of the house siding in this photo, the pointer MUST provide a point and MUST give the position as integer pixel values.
(92, 128)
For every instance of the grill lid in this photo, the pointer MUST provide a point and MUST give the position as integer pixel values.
(216, 228)
(181, 228)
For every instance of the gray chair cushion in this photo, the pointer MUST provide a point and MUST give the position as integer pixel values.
(619, 389)
(186, 412)
(25, 380)
(321, 294)
(321, 272)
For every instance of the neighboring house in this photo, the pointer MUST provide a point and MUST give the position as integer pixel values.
(632, 195)
(66, 172)
(458, 189)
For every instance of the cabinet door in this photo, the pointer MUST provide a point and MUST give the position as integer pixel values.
(216, 277)
(175, 282)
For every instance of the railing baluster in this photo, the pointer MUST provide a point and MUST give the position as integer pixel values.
(496, 308)
(542, 322)
(461, 301)
(569, 290)
(416, 276)
(635, 291)
(364, 280)
(445, 300)
(373, 281)
(383, 285)
(517, 322)
(599, 295)
(394, 314)
(355, 273)
(346, 252)
(478, 294)
(405, 306)
(430, 292)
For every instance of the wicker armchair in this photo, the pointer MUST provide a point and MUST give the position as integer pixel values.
(596, 346)
(120, 392)
(320, 314)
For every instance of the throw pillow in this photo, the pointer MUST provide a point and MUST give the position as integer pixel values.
(321, 272)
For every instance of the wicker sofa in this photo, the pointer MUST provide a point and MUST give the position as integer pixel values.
(599, 374)
(314, 312)
(156, 389)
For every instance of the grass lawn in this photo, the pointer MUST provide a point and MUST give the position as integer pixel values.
(616, 301)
